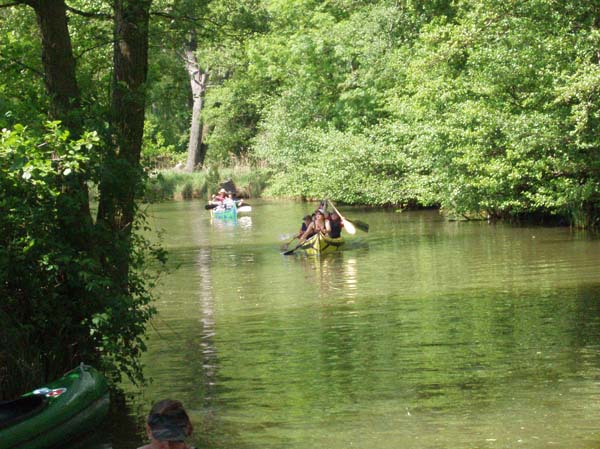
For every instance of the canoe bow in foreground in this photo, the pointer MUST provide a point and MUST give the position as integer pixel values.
(55, 413)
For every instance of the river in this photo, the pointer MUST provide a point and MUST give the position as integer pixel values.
(422, 333)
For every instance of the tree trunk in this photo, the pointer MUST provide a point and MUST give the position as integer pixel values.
(74, 217)
(198, 80)
(116, 208)
(58, 62)
(65, 100)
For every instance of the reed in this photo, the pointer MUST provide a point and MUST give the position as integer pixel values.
(165, 185)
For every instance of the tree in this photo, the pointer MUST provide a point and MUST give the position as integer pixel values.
(201, 34)
(92, 270)
(198, 82)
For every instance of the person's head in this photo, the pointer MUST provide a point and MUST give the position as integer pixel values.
(318, 214)
(168, 425)
(307, 219)
(334, 216)
(222, 192)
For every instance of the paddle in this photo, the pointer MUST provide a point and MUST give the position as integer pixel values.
(240, 208)
(286, 244)
(350, 226)
(291, 251)
(361, 225)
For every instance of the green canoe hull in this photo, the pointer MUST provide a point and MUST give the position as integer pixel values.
(72, 406)
(225, 214)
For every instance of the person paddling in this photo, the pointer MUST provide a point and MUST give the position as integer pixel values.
(334, 225)
(318, 225)
(219, 198)
(306, 222)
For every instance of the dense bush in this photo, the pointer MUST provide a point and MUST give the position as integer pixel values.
(488, 109)
(59, 306)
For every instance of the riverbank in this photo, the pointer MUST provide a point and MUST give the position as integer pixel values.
(252, 182)
(165, 185)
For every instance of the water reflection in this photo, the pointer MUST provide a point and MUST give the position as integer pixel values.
(220, 223)
(208, 350)
(334, 273)
(421, 334)
(245, 222)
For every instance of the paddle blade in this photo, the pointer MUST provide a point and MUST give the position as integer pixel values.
(361, 225)
(348, 226)
(244, 209)
(291, 251)
(285, 246)
(210, 206)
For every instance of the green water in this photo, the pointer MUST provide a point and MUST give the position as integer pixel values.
(421, 334)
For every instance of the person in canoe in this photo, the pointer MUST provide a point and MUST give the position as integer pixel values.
(317, 225)
(229, 201)
(219, 198)
(334, 225)
(168, 426)
(306, 222)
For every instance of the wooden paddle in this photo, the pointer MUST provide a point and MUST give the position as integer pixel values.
(350, 226)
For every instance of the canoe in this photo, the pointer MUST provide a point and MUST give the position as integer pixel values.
(55, 413)
(224, 213)
(319, 244)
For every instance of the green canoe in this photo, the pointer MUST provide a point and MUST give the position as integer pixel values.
(55, 413)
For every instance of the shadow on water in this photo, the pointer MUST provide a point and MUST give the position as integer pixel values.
(123, 428)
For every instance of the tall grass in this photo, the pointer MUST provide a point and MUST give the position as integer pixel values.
(172, 184)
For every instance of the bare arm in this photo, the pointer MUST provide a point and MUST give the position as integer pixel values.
(309, 231)
(327, 227)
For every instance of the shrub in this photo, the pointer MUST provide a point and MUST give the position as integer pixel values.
(59, 303)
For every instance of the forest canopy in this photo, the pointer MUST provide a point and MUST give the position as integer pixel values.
(487, 109)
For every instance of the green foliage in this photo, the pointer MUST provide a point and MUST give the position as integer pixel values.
(155, 152)
(46, 284)
(488, 109)
(492, 120)
(168, 184)
(22, 95)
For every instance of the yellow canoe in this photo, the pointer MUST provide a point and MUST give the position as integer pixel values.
(319, 244)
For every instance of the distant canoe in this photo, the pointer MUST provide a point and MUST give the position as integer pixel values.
(224, 213)
(319, 244)
(55, 413)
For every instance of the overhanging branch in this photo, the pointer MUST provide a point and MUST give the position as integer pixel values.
(22, 65)
(90, 15)
(10, 5)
